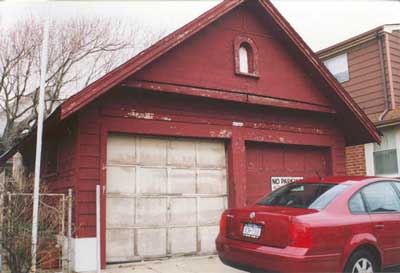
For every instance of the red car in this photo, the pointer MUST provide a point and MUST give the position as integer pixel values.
(335, 224)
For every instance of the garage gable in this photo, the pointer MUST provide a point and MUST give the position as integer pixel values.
(209, 60)
(297, 79)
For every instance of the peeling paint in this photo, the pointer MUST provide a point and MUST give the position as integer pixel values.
(140, 115)
(237, 124)
(166, 118)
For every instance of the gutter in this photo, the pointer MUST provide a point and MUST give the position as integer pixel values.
(350, 43)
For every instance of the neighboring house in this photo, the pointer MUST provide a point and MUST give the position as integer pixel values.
(215, 115)
(368, 67)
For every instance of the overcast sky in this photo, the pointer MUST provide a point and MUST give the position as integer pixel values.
(321, 23)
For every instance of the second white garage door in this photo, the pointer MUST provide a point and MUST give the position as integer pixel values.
(164, 196)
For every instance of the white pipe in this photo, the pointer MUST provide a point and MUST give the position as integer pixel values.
(98, 255)
(43, 69)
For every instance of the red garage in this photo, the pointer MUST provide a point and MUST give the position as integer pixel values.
(215, 115)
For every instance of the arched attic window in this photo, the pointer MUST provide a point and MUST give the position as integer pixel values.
(246, 57)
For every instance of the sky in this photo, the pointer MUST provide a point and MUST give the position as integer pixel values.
(320, 23)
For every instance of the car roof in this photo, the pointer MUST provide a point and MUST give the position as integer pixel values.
(344, 179)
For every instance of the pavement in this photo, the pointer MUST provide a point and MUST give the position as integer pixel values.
(209, 264)
(197, 264)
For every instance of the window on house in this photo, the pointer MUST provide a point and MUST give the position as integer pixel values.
(339, 67)
(385, 155)
(245, 51)
(243, 59)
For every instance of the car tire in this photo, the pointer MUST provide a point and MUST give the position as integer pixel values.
(361, 261)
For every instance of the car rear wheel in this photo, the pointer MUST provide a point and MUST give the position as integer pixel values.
(361, 262)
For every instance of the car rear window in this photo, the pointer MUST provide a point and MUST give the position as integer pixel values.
(303, 195)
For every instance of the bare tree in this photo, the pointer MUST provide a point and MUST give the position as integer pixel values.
(80, 51)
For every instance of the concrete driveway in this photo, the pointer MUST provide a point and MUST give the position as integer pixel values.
(209, 264)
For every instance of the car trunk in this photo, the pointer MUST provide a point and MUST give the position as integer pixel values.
(275, 223)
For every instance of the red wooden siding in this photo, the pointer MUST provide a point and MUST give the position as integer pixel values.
(207, 60)
(88, 175)
(266, 160)
(64, 178)
(366, 83)
(153, 113)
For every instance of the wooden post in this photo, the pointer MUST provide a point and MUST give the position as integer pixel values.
(237, 170)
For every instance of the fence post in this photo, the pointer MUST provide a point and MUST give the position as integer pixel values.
(69, 229)
(98, 249)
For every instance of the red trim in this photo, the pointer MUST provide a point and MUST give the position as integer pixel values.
(113, 78)
(103, 199)
(228, 95)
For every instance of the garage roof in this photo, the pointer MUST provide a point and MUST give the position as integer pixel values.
(358, 126)
(366, 133)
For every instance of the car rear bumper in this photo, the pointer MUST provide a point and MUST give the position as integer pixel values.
(247, 256)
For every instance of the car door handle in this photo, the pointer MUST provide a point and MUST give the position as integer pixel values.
(379, 226)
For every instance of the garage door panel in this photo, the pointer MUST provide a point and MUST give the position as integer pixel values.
(210, 210)
(151, 211)
(151, 180)
(294, 161)
(282, 160)
(121, 150)
(182, 240)
(120, 245)
(120, 179)
(182, 211)
(152, 151)
(207, 236)
(211, 182)
(182, 181)
(123, 212)
(210, 154)
(167, 193)
(182, 153)
(315, 161)
(152, 242)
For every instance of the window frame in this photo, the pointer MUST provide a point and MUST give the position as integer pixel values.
(396, 191)
(252, 56)
(369, 150)
(345, 55)
(394, 135)
(362, 200)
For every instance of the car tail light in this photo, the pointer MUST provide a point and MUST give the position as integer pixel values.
(300, 235)
(223, 224)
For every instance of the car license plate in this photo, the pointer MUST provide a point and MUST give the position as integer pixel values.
(252, 230)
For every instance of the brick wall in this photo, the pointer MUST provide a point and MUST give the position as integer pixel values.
(355, 160)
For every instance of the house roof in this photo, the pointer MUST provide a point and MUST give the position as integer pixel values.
(356, 40)
(118, 75)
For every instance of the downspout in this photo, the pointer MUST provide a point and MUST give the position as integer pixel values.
(383, 75)
(389, 66)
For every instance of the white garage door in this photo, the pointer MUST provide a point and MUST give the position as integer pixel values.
(164, 196)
